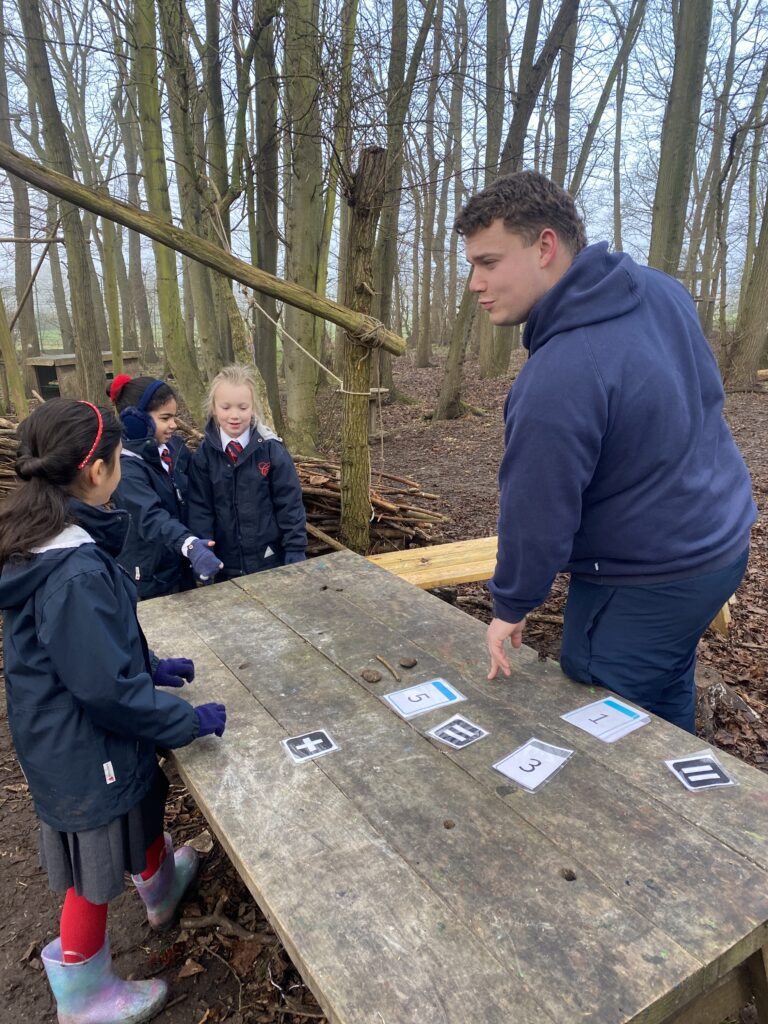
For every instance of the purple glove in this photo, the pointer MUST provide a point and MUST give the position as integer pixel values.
(173, 672)
(205, 564)
(211, 718)
(291, 557)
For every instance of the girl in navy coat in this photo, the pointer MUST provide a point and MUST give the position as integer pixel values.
(83, 708)
(244, 491)
(160, 552)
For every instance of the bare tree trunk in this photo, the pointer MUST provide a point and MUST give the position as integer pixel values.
(22, 223)
(455, 162)
(366, 199)
(12, 368)
(621, 82)
(757, 157)
(156, 186)
(449, 404)
(128, 316)
(135, 276)
(743, 356)
(90, 368)
(563, 105)
(267, 190)
(400, 86)
(57, 280)
(111, 294)
(678, 134)
(182, 94)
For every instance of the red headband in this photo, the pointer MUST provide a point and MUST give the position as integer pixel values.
(95, 444)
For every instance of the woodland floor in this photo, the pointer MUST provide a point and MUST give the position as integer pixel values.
(215, 977)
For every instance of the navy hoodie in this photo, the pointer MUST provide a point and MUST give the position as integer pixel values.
(619, 466)
(84, 714)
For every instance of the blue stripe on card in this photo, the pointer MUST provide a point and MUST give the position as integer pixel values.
(445, 690)
(620, 707)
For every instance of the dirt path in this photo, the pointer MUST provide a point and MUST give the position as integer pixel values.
(246, 981)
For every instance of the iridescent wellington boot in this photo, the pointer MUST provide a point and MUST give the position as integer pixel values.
(162, 892)
(90, 993)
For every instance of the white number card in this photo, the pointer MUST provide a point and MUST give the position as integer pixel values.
(424, 697)
(531, 765)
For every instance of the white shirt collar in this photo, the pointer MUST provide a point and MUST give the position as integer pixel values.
(244, 438)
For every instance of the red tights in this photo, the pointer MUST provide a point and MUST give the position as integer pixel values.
(84, 924)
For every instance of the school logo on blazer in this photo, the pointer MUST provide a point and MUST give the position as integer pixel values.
(265, 467)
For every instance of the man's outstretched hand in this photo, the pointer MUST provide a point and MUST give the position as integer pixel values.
(498, 631)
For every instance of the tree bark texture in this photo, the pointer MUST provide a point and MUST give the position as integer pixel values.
(678, 135)
(156, 187)
(366, 200)
(90, 367)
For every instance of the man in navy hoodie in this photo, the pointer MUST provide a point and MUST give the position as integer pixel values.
(619, 467)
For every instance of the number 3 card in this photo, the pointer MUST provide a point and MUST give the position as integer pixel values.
(418, 699)
(531, 765)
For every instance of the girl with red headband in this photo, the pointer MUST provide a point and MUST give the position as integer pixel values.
(84, 711)
(161, 553)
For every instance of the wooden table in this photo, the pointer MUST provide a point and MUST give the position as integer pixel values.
(411, 884)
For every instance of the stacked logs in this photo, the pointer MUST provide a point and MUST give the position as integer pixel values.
(8, 477)
(399, 520)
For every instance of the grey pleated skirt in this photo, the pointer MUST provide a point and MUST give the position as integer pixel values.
(96, 860)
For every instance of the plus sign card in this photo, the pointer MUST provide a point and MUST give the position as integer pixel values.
(309, 745)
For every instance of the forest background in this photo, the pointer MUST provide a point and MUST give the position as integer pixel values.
(244, 123)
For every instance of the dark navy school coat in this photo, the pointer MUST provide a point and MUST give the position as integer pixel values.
(84, 714)
(253, 509)
(157, 503)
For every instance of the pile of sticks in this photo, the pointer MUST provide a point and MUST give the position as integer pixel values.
(399, 520)
(8, 478)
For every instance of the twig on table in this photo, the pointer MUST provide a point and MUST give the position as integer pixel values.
(386, 664)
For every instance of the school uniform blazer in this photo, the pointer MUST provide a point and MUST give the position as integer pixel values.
(157, 503)
(253, 509)
(84, 714)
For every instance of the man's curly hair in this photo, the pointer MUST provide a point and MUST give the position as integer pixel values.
(527, 202)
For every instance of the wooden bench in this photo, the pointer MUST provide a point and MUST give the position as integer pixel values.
(467, 561)
(409, 882)
(442, 565)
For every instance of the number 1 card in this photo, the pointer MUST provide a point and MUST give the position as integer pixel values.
(416, 700)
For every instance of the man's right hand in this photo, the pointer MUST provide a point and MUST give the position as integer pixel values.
(498, 631)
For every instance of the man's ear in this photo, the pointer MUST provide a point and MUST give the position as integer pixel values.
(549, 246)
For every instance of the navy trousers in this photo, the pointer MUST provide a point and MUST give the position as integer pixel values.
(641, 641)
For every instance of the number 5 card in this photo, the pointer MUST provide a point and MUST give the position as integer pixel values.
(532, 764)
(416, 700)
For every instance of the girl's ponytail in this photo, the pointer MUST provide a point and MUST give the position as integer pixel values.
(55, 442)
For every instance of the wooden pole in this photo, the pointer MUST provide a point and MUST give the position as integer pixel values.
(363, 328)
(366, 198)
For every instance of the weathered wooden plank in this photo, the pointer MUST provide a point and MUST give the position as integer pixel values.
(715, 1006)
(464, 561)
(669, 878)
(737, 816)
(368, 934)
(584, 953)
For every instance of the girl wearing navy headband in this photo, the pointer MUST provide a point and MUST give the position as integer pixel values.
(84, 711)
(161, 555)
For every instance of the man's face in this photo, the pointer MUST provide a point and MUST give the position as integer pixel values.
(508, 275)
